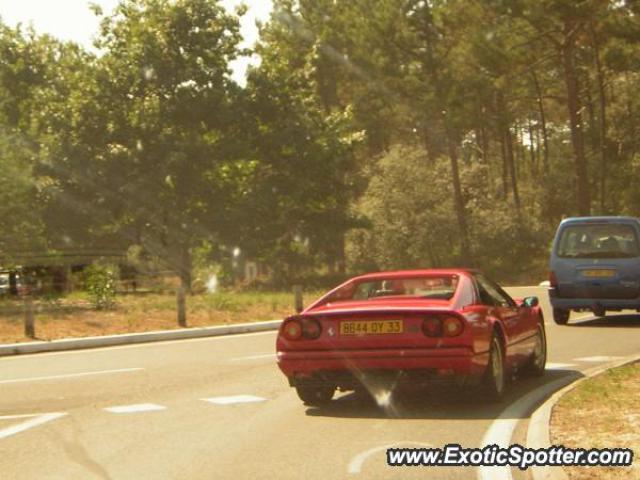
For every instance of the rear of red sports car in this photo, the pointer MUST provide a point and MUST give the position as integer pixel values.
(407, 326)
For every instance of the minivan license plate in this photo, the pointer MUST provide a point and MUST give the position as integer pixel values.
(600, 273)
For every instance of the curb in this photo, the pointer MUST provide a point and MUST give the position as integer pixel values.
(133, 338)
(538, 434)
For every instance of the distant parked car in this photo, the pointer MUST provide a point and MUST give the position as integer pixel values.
(5, 285)
(415, 327)
(595, 266)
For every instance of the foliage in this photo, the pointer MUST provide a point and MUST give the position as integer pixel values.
(373, 134)
(100, 283)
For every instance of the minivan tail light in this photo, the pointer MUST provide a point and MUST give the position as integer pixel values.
(553, 280)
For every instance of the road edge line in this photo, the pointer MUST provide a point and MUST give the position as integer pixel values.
(133, 338)
(539, 431)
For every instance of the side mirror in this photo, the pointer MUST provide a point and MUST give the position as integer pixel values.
(530, 302)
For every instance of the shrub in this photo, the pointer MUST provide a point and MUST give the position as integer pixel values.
(100, 282)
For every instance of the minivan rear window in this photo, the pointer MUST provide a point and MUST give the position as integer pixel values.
(609, 240)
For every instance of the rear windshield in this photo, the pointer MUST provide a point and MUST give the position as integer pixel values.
(440, 287)
(598, 241)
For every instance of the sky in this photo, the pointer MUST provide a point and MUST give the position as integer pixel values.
(73, 20)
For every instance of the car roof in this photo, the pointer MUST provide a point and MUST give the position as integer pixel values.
(417, 272)
(603, 219)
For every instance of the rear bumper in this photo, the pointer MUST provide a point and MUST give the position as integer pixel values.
(443, 361)
(589, 303)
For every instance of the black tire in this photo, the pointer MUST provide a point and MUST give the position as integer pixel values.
(315, 395)
(494, 380)
(560, 316)
(536, 365)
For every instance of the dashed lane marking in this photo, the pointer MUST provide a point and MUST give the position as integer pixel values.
(69, 375)
(34, 420)
(233, 399)
(136, 408)
(256, 357)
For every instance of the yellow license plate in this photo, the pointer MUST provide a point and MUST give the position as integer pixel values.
(371, 327)
(598, 273)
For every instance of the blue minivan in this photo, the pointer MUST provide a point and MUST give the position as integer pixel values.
(595, 265)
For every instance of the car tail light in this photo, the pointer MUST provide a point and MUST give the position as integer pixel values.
(553, 280)
(442, 326)
(292, 330)
(311, 328)
(452, 326)
(297, 328)
(432, 326)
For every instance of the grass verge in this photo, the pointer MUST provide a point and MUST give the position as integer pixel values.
(601, 412)
(74, 316)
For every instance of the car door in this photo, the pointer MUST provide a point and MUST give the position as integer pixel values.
(505, 309)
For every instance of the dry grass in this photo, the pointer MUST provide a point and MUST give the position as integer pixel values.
(603, 411)
(74, 316)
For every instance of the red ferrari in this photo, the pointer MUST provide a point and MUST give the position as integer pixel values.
(415, 327)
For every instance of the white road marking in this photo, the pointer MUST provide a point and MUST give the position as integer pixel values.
(559, 366)
(502, 428)
(36, 419)
(355, 465)
(70, 375)
(233, 399)
(25, 415)
(597, 359)
(256, 357)
(135, 408)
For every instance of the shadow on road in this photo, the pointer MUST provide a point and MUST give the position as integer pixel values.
(614, 321)
(440, 403)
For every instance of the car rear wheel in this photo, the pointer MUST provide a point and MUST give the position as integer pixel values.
(537, 362)
(494, 380)
(561, 316)
(315, 395)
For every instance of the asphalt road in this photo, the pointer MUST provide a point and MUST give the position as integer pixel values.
(219, 408)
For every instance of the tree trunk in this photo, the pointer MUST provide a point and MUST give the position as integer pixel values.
(431, 69)
(512, 167)
(575, 119)
(543, 123)
(429, 145)
(532, 152)
(602, 100)
(185, 269)
(465, 253)
(505, 167)
(538, 145)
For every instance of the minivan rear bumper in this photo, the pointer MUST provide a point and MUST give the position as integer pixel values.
(590, 303)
